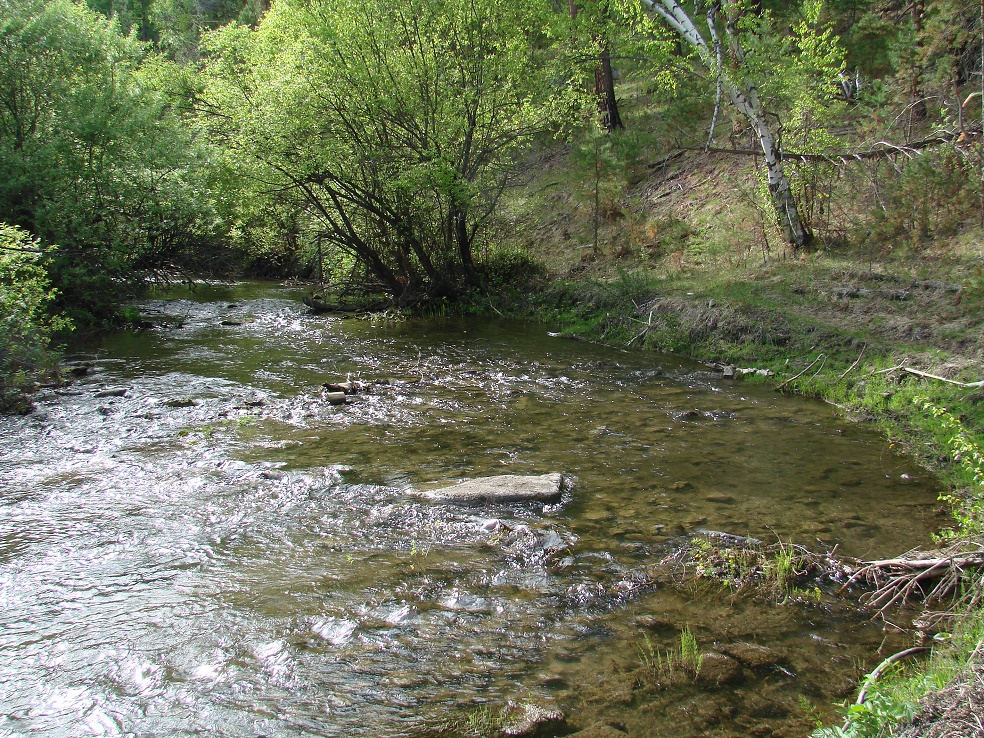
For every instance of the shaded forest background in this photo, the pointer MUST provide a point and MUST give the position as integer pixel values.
(435, 150)
(145, 138)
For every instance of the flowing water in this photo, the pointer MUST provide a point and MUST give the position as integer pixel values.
(220, 551)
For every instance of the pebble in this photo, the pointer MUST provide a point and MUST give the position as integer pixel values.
(721, 499)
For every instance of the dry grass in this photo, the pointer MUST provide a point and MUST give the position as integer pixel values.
(957, 711)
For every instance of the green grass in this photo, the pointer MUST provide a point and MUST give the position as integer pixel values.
(894, 697)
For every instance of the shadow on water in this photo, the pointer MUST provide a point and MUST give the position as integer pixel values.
(219, 549)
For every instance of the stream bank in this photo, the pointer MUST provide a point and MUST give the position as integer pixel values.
(898, 343)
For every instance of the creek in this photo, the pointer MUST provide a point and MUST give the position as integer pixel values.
(194, 541)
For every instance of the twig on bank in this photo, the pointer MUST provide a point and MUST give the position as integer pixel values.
(926, 375)
(857, 361)
(644, 331)
(793, 379)
(887, 371)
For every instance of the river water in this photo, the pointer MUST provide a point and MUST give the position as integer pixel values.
(220, 551)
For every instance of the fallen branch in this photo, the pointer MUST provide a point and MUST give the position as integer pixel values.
(887, 371)
(927, 375)
(880, 150)
(857, 361)
(934, 578)
(880, 669)
(644, 331)
(793, 379)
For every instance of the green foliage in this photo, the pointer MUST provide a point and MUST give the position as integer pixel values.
(966, 451)
(25, 325)
(930, 197)
(893, 697)
(91, 155)
(506, 267)
(392, 126)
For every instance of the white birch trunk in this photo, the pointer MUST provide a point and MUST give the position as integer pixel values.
(747, 102)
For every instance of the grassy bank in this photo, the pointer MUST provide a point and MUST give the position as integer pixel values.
(895, 342)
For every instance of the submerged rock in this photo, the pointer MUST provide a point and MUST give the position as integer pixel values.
(599, 730)
(504, 488)
(531, 719)
(720, 498)
(753, 655)
(336, 398)
(716, 670)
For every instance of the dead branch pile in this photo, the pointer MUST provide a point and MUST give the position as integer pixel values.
(748, 566)
(934, 577)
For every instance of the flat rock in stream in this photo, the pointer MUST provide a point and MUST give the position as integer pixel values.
(503, 488)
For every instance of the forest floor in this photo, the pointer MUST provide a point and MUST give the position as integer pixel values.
(679, 258)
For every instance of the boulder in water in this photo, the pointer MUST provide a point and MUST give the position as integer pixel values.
(503, 488)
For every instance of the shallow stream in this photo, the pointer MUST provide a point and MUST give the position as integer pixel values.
(194, 541)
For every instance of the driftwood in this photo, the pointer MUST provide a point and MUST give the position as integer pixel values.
(933, 577)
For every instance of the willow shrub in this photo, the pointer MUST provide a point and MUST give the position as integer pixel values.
(26, 327)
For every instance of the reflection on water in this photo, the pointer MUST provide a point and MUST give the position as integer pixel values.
(221, 551)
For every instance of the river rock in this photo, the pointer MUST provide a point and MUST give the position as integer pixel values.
(720, 498)
(503, 488)
(717, 670)
(112, 392)
(176, 403)
(529, 720)
(753, 655)
(599, 730)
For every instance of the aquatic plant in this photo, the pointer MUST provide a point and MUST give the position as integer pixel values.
(482, 721)
(686, 657)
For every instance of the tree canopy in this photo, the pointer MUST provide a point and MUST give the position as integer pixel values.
(93, 157)
(394, 126)
(145, 136)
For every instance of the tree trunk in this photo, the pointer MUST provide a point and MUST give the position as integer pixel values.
(745, 98)
(919, 111)
(605, 90)
(464, 247)
(794, 231)
(604, 86)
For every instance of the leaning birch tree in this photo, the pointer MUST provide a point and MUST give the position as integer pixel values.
(720, 38)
